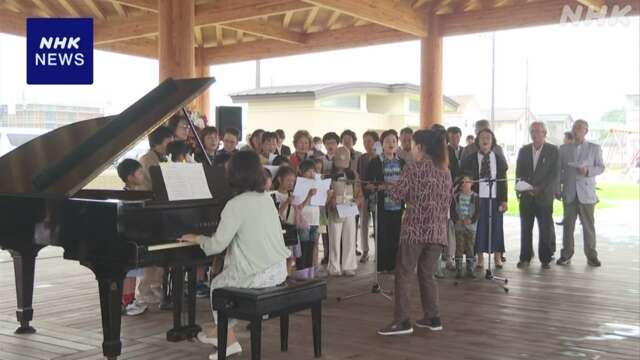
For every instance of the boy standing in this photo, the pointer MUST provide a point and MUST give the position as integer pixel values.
(465, 217)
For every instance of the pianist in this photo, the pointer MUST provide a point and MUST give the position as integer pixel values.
(250, 231)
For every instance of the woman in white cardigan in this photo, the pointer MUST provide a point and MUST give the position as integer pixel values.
(250, 231)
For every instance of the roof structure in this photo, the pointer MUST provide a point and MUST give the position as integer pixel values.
(238, 30)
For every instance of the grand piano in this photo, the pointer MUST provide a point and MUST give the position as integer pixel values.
(43, 203)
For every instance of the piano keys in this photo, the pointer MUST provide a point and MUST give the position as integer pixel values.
(110, 232)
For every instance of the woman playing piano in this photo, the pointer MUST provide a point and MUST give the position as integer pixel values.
(250, 231)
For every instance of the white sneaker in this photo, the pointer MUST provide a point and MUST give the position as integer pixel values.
(135, 308)
(349, 273)
(232, 349)
(205, 339)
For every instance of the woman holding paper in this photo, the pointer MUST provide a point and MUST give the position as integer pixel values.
(386, 168)
(251, 232)
(484, 164)
(343, 202)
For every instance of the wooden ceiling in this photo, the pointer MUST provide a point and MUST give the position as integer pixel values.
(238, 30)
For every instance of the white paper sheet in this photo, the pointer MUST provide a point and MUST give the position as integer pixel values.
(523, 186)
(347, 210)
(272, 169)
(576, 164)
(303, 185)
(185, 181)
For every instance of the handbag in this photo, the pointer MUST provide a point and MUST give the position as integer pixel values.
(289, 231)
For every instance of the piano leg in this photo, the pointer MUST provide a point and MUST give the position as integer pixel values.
(110, 288)
(180, 332)
(24, 263)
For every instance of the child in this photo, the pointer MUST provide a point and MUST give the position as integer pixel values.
(342, 230)
(465, 217)
(308, 230)
(130, 172)
(178, 150)
(283, 184)
(268, 180)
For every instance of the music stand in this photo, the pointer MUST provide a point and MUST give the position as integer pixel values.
(376, 288)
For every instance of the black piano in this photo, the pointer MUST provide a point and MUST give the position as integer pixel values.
(42, 203)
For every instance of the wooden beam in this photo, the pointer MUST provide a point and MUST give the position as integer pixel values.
(365, 35)
(148, 5)
(595, 5)
(70, 9)
(94, 9)
(310, 19)
(197, 31)
(225, 11)
(125, 29)
(393, 14)
(287, 19)
(44, 7)
(119, 8)
(267, 30)
(418, 3)
(219, 12)
(13, 5)
(13, 23)
(547, 12)
(144, 47)
(332, 20)
(219, 35)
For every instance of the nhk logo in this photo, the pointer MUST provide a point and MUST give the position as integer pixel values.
(60, 51)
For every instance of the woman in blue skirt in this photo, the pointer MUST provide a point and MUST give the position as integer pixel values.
(486, 164)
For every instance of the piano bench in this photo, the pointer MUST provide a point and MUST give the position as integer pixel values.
(254, 305)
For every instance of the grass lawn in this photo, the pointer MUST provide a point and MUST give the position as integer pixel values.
(608, 193)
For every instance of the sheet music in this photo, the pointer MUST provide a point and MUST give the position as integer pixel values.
(347, 210)
(303, 185)
(523, 186)
(272, 169)
(185, 181)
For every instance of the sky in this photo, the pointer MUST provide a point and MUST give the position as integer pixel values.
(584, 69)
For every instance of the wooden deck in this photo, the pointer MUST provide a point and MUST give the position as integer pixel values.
(572, 312)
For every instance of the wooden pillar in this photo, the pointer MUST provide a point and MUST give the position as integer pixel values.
(201, 104)
(176, 39)
(431, 76)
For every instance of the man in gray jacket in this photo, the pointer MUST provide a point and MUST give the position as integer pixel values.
(580, 163)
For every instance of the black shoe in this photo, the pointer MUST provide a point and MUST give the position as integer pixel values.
(433, 324)
(545, 265)
(522, 264)
(358, 253)
(404, 328)
(325, 261)
(563, 261)
(594, 262)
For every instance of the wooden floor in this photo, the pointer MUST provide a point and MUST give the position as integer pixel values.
(572, 312)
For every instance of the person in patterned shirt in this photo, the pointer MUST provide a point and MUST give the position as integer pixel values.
(425, 186)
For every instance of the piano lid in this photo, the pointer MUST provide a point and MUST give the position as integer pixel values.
(63, 161)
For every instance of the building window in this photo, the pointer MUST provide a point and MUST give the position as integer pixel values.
(343, 102)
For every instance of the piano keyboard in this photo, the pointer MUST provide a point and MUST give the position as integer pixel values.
(170, 246)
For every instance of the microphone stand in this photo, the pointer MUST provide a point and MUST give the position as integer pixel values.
(502, 281)
(376, 288)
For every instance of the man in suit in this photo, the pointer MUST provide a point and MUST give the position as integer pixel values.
(454, 135)
(580, 163)
(537, 165)
(282, 150)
